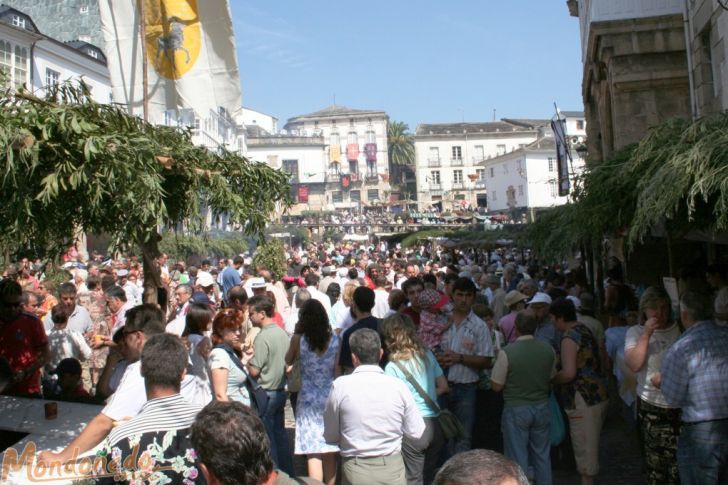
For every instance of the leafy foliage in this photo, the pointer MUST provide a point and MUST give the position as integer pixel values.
(70, 163)
(271, 254)
(604, 201)
(401, 148)
(683, 170)
(182, 247)
(677, 175)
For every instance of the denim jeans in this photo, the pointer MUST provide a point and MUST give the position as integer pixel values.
(275, 427)
(526, 439)
(461, 401)
(702, 453)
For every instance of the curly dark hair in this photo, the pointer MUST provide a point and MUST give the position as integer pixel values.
(232, 443)
(313, 323)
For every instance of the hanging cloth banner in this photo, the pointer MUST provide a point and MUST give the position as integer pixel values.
(352, 152)
(370, 150)
(190, 56)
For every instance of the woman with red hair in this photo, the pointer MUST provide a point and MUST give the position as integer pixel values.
(226, 370)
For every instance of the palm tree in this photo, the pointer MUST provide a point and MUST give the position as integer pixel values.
(401, 148)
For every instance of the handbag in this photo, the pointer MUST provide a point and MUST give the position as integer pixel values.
(452, 428)
(294, 377)
(258, 395)
(557, 428)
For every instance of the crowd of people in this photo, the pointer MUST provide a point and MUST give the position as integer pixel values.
(358, 222)
(401, 366)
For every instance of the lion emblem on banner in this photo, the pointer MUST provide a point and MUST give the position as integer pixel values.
(173, 36)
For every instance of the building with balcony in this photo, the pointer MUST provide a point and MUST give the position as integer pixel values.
(635, 68)
(527, 178)
(350, 168)
(449, 157)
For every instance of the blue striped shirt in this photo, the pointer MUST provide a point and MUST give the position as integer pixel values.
(695, 373)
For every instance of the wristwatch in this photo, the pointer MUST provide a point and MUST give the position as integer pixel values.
(461, 360)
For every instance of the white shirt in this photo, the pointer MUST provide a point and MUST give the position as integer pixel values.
(469, 337)
(119, 317)
(131, 394)
(79, 321)
(660, 342)
(323, 298)
(381, 303)
(368, 424)
(342, 316)
(133, 295)
(65, 343)
(179, 322)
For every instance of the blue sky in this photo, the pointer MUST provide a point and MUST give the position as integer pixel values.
(421, 61)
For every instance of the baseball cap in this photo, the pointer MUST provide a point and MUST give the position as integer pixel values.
(204, 280)
(540, 297)
(256, 283)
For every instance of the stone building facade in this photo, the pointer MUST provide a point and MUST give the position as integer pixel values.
(449, 157)
(635, 69)
(708, 27)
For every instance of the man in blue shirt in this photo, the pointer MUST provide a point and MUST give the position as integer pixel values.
(694, 378)
(231, 277)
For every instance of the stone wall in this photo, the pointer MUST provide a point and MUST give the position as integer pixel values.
(708, 41)
(635, 77)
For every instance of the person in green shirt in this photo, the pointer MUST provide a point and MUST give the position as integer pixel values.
(268, 365)
(523, 371)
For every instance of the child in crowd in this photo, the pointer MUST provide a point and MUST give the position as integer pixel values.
(485, 313)
(433, 321)
(63, 342)
(68, 386)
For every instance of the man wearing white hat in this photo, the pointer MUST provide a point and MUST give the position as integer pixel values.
(546, 331)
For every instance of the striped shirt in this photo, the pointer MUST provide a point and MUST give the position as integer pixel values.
(153, 447)
(694, 373)
(161, 414)
(469, 337)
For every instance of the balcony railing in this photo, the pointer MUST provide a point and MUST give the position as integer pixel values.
(333, 177)
(371, 178)
(434, 186)
(433, 162)
(457, 185)
(478, 159)
(456, 162)
(480, 184)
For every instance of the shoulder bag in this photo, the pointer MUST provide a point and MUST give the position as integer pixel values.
(452, 428)
(258, 395)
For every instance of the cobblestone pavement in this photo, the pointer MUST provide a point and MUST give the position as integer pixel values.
(619, 455)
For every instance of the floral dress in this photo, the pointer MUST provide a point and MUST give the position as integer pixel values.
(317, 375)
(589, 380)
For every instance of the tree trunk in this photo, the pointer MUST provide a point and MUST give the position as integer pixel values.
(152, 272)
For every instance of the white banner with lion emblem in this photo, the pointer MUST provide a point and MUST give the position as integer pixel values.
(191, 57)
